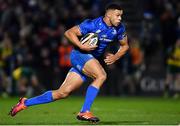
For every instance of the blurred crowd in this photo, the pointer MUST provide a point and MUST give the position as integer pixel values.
(34, 55)
(161, 33)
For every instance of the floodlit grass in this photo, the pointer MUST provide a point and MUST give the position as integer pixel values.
(110, 110)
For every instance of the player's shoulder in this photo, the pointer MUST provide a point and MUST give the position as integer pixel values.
(98, 19)
(120, 28)
(91, 22)
(94, 20)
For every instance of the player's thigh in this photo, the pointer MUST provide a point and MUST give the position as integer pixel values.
(93, 69)
(72, 81)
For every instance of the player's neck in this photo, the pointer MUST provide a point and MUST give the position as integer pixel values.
(107, 21)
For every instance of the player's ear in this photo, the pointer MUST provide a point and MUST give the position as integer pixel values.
(108, 13)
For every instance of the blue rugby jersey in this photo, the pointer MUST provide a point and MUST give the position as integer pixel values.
(106, 34)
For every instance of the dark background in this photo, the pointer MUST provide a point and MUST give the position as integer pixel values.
(32, 43)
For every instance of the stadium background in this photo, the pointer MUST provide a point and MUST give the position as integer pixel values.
(34, 52)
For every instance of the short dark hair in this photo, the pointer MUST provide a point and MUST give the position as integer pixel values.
(113, 6)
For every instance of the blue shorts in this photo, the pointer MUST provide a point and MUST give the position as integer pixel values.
(78, 60)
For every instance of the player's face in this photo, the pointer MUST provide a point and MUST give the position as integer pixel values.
(116, 16)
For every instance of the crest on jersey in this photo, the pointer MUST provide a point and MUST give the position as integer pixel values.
(114, 32)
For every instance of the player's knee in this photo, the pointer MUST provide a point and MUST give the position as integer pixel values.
(102, 77)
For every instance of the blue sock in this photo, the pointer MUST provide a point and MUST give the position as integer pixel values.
(91, 94)
(44, 98)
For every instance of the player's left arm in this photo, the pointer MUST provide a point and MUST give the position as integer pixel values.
(111, 58)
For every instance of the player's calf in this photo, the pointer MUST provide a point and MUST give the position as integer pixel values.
(61, 94)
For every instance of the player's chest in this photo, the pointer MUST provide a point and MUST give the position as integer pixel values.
(106, 35)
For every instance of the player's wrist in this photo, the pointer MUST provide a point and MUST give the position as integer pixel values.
(117, 57)
(80, 46)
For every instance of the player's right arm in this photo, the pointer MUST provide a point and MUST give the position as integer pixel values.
(72, 35)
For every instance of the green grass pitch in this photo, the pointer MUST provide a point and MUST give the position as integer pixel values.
(111, 111)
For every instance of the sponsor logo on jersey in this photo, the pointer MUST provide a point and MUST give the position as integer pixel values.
(98, 31)
(104, 36)
(106, 39)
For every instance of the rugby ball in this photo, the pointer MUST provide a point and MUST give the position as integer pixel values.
(91, 38)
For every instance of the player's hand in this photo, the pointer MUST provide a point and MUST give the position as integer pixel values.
(87, 47)
(110, 59)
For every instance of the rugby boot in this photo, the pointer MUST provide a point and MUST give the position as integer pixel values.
(87, 116)
(18, 107)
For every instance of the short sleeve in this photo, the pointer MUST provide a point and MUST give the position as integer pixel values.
(121, 32)
(86, 26)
